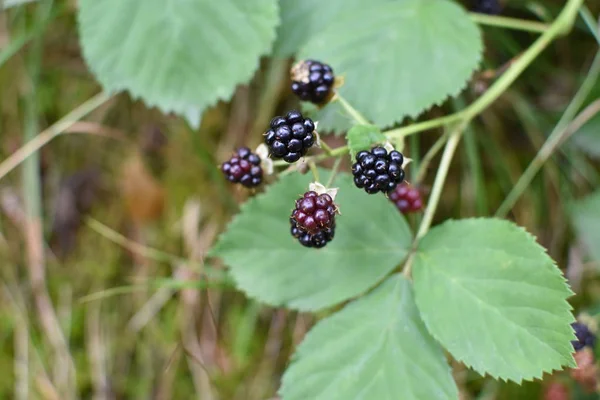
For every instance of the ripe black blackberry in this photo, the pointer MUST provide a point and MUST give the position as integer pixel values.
(377, 170)
(244, 168)
(290, 137)
(490, 7)
(314, 212)
(317, 240)
(585, 337)
(312, 81)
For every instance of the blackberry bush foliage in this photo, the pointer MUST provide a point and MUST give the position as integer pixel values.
(419, 294)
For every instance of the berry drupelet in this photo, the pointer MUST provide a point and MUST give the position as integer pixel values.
(585, 337)
(317, 240)
(312, 81)
(290, 137)
(377, 170)
(314, 212)
(244, 168)
(490, 7)
(406, 198)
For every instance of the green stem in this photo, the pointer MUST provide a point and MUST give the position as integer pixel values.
(358, 117)
(553, 140)
(591, 23)
(334, 171)
(429, 156)
(314, 170)
(404, 131)
(326, 147)
(509, 23)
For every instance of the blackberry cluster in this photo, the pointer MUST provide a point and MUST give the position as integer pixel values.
(244, 168)
(585, 338)
(377, 170)
(407, 199)
(290, 137)
(490, 7)
(312, 81)
(313, 219)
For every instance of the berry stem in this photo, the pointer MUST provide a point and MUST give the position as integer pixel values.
(429, 156)
(326, 147)
(334, 171)
(314, 170)
(358, 117)
(509, 23)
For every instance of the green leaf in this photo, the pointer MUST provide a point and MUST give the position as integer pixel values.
(494, 299)
(178, 55)
(301, 20)
(588, 137)
(267, 263)
(375, 348)
(362, 137)
(398, 58)
(586, 218)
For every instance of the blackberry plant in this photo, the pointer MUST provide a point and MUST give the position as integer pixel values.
(417, 290)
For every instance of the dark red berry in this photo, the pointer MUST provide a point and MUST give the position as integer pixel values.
(316, 240)
(406, 198)
(314, 212)
(244, 168)
(312, 81)
(290, 137)
(377, 170)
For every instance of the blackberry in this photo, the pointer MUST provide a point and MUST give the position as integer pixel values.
(317, 240)
(490, 7)
(377, 170)
(314, 213)
(312, 81)
(244, 168)
(290, 137)
(406, 198)
(585, 338)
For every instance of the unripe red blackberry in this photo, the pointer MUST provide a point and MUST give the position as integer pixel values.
(290, 137)
(314, 212)
(377, 170)
(317, 240)
(406, 198)
(244, 168)
(312, 81)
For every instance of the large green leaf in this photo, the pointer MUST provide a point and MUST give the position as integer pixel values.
(178, 55)
(586, 218)
(375, 348)
(301, 20)
(398, 58)
(588, 137)
(492, 296)
(268, 264)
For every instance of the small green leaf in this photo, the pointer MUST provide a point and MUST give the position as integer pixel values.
(178, 55)
(362, 137)
(397, 58)
(588, 137)
(586, 218)
(375, 348)
(494, 299)
(267, 263)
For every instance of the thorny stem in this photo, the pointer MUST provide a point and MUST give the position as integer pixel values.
(510, 23)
